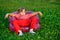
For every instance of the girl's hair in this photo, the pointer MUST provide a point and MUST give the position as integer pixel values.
(20, 9)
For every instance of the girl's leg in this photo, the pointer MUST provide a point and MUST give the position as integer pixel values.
(16, 26)
(34, 23)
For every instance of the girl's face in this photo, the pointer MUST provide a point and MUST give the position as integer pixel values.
(23, 12)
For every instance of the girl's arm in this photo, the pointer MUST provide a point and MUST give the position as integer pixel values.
(35, 13)
(9, 14)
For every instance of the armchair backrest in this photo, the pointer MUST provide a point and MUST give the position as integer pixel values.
(13, 18)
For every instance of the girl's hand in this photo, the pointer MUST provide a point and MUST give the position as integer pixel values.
(40, 13)
(6, 16)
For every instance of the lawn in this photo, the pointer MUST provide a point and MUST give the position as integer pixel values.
(50, 21)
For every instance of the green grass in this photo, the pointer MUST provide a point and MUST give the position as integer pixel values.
(50, 21)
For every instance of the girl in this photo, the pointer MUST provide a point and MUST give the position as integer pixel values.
(23, 19)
